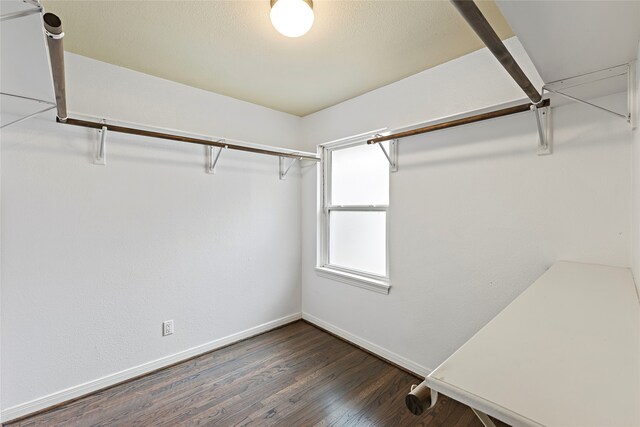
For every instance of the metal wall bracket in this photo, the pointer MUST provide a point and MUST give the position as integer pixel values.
(543, 123)
(484, 418)
(627, 70)
(101, 149)
(213, 154)
(37, 8)
(51, 106)
(27, 117)
(284, 169)
(392, 155)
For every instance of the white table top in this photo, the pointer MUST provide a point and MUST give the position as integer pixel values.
(564, 353)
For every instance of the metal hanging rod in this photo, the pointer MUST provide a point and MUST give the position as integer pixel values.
(459, 122)
(483, 29)
(187, 139)
(53, 30)
(554, 87)
(37, 8)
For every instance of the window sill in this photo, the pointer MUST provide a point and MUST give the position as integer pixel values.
(374, 285)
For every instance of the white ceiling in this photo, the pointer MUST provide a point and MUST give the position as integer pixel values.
(230, 47)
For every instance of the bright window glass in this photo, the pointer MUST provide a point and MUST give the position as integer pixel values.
(358, 241)
(359, 176)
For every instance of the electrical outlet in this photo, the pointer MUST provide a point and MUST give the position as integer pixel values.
(167, 328)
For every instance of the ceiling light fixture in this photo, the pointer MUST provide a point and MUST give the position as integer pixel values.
(292, 18)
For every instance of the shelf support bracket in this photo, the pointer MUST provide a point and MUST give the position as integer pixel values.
(627, 70)
(284, 169)
(484, 418)
(37, 8)
(583, 102)
(213, 154)
(27, 117)
(543, 123)
(52, 105)
(101, 150)
(392, 156)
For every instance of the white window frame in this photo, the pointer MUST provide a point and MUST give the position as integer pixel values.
(353, 277)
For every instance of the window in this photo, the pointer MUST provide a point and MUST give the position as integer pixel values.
(354, 216)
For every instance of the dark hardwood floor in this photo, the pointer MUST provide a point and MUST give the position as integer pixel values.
(297, 375)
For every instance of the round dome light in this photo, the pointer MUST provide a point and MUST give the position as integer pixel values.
(292, 18)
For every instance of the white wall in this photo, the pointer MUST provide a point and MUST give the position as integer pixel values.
(94, 258)
(476, 216)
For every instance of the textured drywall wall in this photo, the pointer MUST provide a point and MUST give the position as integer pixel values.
(475, 215)
(94, 258)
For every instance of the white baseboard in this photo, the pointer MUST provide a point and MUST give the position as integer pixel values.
(79, 390)
(369, 346)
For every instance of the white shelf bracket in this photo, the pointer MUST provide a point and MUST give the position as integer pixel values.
(627, 70)
(284, 169)
(213, 154)
(484, 418)
(51, 106)
(543, 123)
(27, 117)
(392, 156)
(37, 8)
(101, 149)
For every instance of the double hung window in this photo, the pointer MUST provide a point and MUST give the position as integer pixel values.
(355, 214)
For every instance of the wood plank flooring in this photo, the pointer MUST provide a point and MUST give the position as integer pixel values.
(297, 375)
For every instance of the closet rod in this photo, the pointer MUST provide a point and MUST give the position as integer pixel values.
(483, 29)
(458, 122)
(53, 31)
(187, 139)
